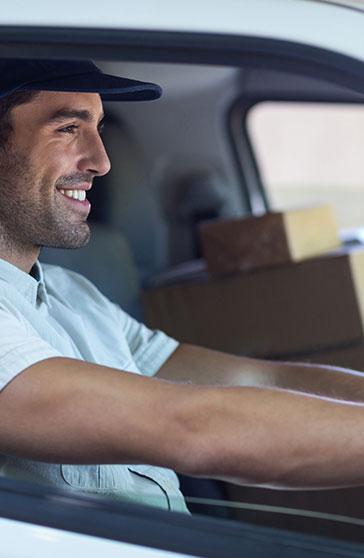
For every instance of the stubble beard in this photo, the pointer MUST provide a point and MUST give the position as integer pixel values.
(32, 214)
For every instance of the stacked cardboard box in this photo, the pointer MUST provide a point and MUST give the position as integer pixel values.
(274, 238)
(310, 310)
(279, 311)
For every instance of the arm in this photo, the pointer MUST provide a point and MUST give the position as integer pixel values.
(205, 366)
(65, 410)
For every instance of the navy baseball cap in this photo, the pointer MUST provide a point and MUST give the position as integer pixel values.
(18, 74)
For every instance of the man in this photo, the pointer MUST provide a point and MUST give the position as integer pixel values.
(77, 408)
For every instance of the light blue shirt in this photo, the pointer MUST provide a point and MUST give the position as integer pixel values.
(54, 312)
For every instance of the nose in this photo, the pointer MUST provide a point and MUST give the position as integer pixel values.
(94, 158)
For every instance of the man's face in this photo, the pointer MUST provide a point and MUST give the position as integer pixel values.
(54, 152)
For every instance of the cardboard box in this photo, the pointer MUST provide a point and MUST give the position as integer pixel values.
(278, 312)
(274, 238)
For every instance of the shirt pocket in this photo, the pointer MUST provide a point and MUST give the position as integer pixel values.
(95, 478)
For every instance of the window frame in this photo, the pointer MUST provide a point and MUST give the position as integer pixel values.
(159, 529)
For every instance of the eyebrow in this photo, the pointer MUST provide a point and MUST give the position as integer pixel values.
(64, 113)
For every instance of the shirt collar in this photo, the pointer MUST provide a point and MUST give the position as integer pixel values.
(30, 285)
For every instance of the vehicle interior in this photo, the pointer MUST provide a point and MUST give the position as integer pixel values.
(194, 156)
(246, 125)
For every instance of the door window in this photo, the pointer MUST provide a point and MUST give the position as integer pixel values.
(311, 153)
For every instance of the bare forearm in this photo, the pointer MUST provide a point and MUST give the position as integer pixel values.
(62, 410)
(281, 439)
(207, 367)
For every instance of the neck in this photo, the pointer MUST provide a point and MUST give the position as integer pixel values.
(23, 257)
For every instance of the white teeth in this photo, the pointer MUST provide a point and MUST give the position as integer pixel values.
(79, 195)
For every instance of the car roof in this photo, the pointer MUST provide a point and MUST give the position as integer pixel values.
(316, 23)
(357, 4)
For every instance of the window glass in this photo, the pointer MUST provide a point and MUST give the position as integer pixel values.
(311, 153)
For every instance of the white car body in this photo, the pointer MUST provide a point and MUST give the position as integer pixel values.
(22, 540)
(311, 22)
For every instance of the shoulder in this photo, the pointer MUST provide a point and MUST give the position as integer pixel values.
(64, 283)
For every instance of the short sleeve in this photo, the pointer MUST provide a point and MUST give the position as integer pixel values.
(19, 349)
(150, 348)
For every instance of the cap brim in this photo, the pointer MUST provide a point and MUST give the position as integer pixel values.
(110, 88)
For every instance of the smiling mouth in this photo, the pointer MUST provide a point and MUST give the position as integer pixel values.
(79, 195)
(76, 199)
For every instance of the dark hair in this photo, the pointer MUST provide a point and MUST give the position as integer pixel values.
(6, 105)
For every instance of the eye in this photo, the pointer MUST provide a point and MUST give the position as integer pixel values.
(71, 129)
